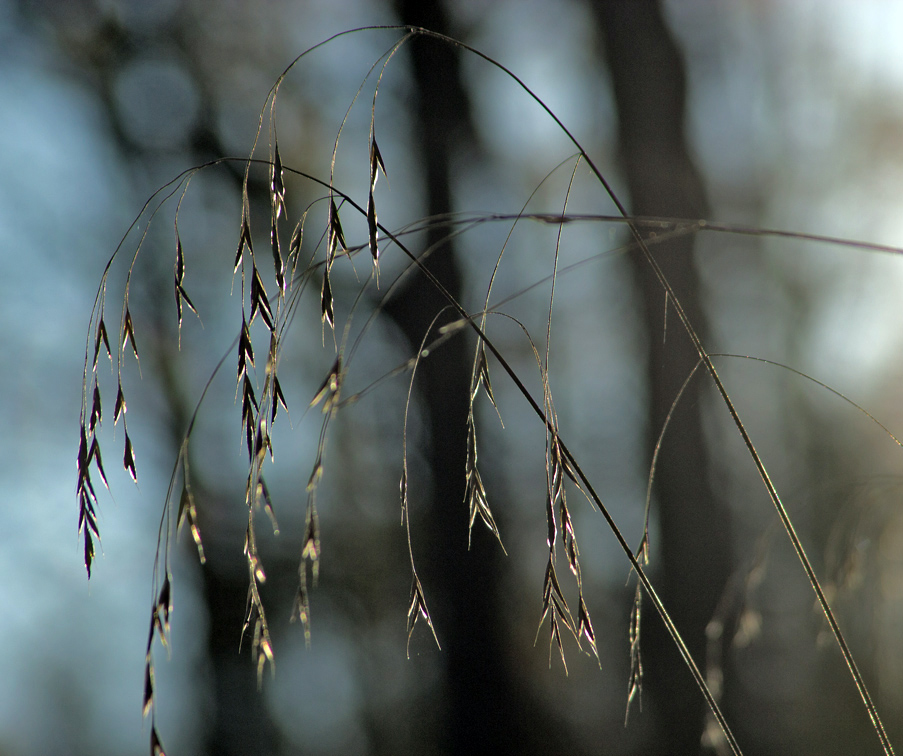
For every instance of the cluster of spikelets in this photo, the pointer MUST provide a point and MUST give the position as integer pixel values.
(292, 275)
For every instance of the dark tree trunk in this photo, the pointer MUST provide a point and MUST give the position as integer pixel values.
(695, 547)
(241, 722)
(483, 709)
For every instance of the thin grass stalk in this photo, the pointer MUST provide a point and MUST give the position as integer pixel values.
(877, 724)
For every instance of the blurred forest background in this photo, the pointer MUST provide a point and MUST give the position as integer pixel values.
(754, 113)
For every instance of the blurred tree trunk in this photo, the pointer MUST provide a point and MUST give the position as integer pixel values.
(240, 722)
(695, 546)
(483, 709)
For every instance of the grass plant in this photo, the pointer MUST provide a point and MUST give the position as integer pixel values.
(299, 260)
